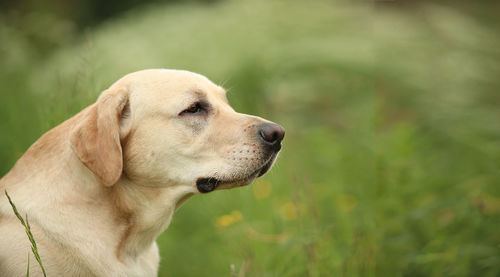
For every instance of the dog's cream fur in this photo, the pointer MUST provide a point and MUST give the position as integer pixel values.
(99, 188)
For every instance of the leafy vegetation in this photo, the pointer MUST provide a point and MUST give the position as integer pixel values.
(390, 164)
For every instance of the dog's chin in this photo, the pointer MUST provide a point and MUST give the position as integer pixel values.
(209, 184)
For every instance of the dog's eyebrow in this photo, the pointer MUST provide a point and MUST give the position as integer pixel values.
(201, 97)
(200, 94)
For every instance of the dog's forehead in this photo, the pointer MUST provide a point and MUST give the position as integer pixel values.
(167, 82)
(160, 89)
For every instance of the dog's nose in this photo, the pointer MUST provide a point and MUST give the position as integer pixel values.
(271, 134)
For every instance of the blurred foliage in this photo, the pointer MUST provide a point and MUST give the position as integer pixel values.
(82, 13)
(390, 165)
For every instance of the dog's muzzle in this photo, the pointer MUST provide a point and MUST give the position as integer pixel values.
(270, 136)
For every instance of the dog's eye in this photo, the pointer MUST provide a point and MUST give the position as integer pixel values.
(193, 109)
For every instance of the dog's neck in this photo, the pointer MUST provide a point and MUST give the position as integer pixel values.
(145, 213)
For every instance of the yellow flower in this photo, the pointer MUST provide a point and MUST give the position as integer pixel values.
(262, 190)
(346, 202)
(228, 220)
(288, 211)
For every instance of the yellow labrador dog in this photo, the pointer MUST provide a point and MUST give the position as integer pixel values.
(99, 188)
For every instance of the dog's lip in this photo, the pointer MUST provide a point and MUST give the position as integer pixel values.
(266, 166)
(209, 184)
(205, 185)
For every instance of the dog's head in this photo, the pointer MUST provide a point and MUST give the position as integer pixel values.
(174, 128)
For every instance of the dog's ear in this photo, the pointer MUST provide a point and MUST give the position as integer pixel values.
(96, 140)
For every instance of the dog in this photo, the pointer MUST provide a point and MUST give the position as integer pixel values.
(101, 187)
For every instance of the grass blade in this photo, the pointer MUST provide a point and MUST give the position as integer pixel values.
(27, 227)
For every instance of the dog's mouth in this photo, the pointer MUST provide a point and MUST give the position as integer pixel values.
(210, 184)
(205, 185)
(266, 167)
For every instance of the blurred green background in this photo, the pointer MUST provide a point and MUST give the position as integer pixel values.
(391, 162)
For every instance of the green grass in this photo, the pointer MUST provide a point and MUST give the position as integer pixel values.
(390, 164)
(27, 227)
